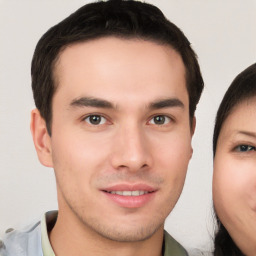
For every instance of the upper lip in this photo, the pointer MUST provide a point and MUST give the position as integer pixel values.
(130, 187)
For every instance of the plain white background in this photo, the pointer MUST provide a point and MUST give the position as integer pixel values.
(223, 35)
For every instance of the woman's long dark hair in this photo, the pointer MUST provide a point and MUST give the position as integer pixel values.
(241, 89)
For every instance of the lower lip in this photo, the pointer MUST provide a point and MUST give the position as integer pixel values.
(131, 201)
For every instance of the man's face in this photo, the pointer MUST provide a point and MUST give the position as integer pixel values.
(121, 137)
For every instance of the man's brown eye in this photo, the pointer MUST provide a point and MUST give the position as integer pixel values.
(160, 120)
(95, 119)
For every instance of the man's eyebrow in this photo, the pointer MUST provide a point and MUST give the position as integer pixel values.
(91, 102)
(166, 103)
(247, 133)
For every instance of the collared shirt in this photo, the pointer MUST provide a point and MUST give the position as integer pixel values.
(34, 240)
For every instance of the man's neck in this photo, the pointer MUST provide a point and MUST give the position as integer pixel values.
(69, 237)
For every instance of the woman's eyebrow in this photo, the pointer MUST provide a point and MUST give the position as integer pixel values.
(247, 133)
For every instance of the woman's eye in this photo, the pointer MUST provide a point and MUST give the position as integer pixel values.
(160, 120)
(245, 148)
(95, 119)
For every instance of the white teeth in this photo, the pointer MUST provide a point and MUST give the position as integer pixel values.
(135, 193)
(129, 193)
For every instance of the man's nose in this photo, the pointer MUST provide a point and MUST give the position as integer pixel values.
(131, 150)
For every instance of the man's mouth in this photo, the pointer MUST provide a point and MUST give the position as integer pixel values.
(129, 193)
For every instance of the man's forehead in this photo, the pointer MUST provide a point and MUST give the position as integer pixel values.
(114, 50)
(106, 43)
(96, 64)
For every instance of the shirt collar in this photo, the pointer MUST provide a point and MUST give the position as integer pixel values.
(172, 247)
(47, 223)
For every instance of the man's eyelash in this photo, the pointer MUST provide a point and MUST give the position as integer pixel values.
(95, 119)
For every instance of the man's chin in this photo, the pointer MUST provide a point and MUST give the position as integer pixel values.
(127, 234)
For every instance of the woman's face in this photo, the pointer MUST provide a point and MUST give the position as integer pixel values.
(234, 179)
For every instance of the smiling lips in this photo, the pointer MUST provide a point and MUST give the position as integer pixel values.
(129, 193)
(130, 196)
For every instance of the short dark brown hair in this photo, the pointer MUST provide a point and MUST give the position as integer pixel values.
(119, 18)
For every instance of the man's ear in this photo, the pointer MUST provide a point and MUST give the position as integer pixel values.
(193, 127)
(41, 138)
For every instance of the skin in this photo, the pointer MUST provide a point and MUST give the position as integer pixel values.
(134, 82)
(234, 179)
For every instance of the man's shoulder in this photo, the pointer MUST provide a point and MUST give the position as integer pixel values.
(172, 247)
(24, 242)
